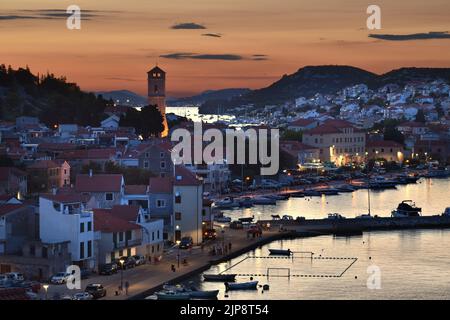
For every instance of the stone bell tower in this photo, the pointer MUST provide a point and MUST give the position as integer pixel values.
(156, 80)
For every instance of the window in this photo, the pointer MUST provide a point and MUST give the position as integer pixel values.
(81, 227)
(177, 197)
(81, 250)
(44, 252)
(109, 196)
(128, 235)
(128, 252)
(32, 250)
(89, 249)
(120, 253)
(177, 235)
(147, 154)
(153, 236)
(157, 234)
(203, 212)
(65, 171)
(89, 227)
(162, 165)
(161, 154)
(177, 215)
(146, 165)
(160, 203)
(120, 236)
(153, 249)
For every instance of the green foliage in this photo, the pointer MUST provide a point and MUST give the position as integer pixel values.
(388, 127)
(291, 135)
(53, 100)
(148, 122)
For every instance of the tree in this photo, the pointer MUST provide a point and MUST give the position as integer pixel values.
(292, 135)
(148, 122)
(420, 116)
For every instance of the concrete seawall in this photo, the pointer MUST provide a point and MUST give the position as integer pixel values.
(359, 225)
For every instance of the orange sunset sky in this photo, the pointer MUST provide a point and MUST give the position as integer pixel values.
(256, 42)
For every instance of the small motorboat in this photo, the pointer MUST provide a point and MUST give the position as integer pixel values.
(251, 285)
(247, 219)
(407, 208)
(276, 217)
(297, 194)
(280, 252)
(219, 277)
(345, 188)
(223, 219)
(226, 203)
(278, 196)
(172, 295)
(264, 201)
(246, 202)
(365, 216)
(311, 193)
(446, 212)
(328, 191)
(335, 216)
(199, 294)
(381, 182)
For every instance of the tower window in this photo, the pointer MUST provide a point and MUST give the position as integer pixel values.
(156, 89)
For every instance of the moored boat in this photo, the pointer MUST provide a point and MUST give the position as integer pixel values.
(407, 208)
(280, 252)
(446, 212)
(264, 201)
(172, 295)
(278, 196)
(251, 285)
(226, 203)
(207, 294)
(245, 202)
(219, 277)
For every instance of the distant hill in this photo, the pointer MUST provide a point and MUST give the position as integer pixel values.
(124, 97)
(52, 99)
(310, 80)
(223, 94)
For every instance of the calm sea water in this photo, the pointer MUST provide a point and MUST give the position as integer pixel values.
(412, 264)
(432, 195)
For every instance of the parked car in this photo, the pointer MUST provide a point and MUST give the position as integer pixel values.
(3, 278)
(82, 296)
(108, 268)
(129, 262)
(96, 290)
(186, 243)
(60, 278)
(15, 276)
(140, 259)
(210, 234)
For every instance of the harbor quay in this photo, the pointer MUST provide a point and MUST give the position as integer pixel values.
(352, 226)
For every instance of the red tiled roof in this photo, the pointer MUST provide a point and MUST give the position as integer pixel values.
(332, 126)
(7, 208)
(45, 164)
(302, 122)
(128, 213)
(106, 222)
(57, 146)
(383, 143)
(184, 177)
(136, 189)
(161, 184)
(98, 183)
(106, 153)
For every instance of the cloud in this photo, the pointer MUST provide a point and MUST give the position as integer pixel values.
(48, 14)
(188, 25)
(414, 36)
(187, 55)
(259, 57)
(214, 35)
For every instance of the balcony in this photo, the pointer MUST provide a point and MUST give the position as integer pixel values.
(127, 243)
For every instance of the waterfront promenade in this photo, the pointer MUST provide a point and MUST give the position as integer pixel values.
(143, 280)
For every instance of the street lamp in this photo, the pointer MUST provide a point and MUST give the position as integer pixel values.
(122, 261)
(45, 286)
(178, 254)
(222, 226)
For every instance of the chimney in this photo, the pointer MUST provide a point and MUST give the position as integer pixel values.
(90, 173)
